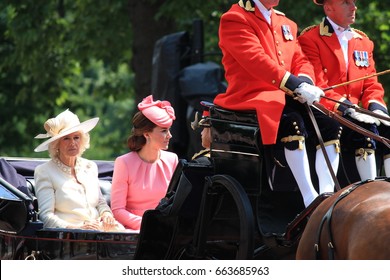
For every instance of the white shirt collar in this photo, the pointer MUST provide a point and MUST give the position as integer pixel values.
(266, 13)
(343, 35)
(337, 28)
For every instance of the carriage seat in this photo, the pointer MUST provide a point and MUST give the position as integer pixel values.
(236, 139)
(25, 169)
(248, 117)
(236, 131)
(19, 211)
(105, 188)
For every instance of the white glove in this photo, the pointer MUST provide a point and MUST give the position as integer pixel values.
(308, 93)
(380, 112)
(361, 117)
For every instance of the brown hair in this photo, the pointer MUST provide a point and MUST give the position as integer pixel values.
(141, 124)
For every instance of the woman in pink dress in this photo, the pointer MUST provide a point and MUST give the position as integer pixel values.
(141, 177)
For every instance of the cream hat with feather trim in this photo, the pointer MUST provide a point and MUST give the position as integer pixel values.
(63, 124)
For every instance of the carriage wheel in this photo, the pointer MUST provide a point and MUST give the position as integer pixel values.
(219, 187)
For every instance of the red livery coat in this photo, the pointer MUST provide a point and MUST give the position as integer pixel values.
(261, 64)
(323, 49)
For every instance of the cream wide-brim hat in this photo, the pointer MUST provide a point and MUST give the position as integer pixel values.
(63, 124)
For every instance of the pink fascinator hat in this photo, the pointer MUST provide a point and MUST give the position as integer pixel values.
(159, 112)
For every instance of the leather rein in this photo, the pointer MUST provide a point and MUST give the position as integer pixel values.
(359, 109)
(322, 146)
(352, 125)
(344, 122)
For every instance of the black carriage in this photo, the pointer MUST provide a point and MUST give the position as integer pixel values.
(238, 204)
(222, 208)
(241, 203)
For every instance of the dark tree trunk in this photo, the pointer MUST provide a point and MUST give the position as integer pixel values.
(146, 31)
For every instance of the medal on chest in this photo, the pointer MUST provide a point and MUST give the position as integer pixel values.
(287, 32)
(361, 58)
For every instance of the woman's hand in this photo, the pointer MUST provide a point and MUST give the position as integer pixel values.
(108, 221)
(91, 225)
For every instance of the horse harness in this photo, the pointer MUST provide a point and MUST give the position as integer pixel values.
(327, 218)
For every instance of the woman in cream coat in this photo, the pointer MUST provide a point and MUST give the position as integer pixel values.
(67, 186)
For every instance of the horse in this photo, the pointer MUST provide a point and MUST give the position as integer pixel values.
(352, 224)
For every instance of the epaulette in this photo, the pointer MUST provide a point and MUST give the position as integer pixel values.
(279, 12)
(307, 29)
(360, 32)
(205, 153)
(248, 5)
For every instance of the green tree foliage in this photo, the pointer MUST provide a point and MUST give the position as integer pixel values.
(64, 54)
(58, 54)
(373, 19)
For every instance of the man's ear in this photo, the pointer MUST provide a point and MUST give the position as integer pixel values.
(327, 7)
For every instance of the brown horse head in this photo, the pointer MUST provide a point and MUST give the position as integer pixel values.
(352, 224)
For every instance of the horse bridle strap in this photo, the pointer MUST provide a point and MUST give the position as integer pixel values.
(327, 218)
